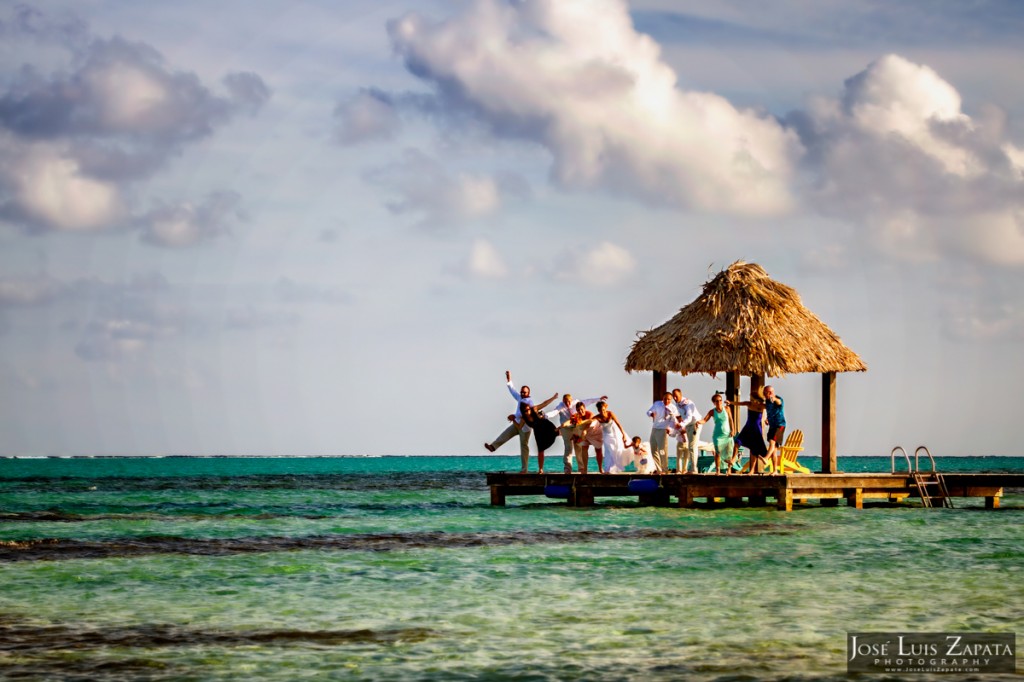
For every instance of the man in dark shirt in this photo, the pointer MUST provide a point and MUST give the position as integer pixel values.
(774, 407)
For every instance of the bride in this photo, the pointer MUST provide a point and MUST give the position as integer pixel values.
(614, 440)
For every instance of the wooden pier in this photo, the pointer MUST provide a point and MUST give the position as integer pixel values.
(580, 490)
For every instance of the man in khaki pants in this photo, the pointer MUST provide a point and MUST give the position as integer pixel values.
(685, 454)
(517, 427)
(664, 414)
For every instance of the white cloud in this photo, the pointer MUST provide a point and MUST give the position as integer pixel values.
(45, 187)
(28, 291)
(369, 115)
(443, 198)
(77, 143)
(894, 96)
(897, 154)
(575, 77)
(186, 224)
(601, 265)
(485, 261)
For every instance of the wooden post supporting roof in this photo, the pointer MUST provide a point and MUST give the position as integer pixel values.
(732, 394)
(756, 382)
(659, 386)
(828, 423)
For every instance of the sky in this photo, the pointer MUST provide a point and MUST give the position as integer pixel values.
(328, 228)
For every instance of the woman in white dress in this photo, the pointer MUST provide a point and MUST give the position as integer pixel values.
(615, 443)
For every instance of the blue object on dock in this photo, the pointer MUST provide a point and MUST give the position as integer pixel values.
(643, 485)
(561, 491)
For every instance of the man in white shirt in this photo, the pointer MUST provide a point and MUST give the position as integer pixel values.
(664, 415)
(685, 455)
(517, 427)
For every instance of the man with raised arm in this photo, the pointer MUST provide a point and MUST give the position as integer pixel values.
(516, 425)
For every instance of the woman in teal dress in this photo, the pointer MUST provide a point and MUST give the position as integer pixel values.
(721, 437)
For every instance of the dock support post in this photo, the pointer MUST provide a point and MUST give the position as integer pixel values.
(784, 500)
(497, 496)
(582, 497)
(855, 498)
(992, 502)
(686, 497)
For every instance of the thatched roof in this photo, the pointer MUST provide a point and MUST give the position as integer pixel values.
(743, 321)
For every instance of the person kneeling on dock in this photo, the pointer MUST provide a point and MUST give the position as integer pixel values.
(644, 462)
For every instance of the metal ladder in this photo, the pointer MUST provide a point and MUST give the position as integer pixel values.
(931, 486)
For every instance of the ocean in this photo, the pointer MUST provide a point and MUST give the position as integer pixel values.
(397, 568)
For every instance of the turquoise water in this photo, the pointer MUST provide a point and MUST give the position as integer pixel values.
(397, 568)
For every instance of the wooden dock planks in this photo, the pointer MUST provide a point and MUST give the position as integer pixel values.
(580, 490)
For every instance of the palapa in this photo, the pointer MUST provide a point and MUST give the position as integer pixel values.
(744, 322)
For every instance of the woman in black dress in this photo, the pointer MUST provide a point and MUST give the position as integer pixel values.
(544, 432)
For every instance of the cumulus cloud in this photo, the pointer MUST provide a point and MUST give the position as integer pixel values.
(117, 338)
(894, 152)
(128, 318)
(980, 308)
(485, 261)
(77, 142)
(184, 225)
(369, 115)
(29, 291)
(602, 264)
(897, 154)
(577, 78)
(440, 197)
(43, 185)
(247, 91)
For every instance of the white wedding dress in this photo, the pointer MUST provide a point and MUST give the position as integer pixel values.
(616, 456)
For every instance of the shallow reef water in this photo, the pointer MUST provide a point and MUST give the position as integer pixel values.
(397, 568)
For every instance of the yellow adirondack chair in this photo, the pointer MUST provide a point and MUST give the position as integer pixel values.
(787, 462)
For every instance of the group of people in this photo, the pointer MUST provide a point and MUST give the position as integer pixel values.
(674, 417)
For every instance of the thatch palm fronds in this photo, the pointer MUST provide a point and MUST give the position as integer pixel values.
(744, 322)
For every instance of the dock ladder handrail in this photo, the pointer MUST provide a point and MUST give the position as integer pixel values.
(917, 455)
(933, 477)
(892, 459)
